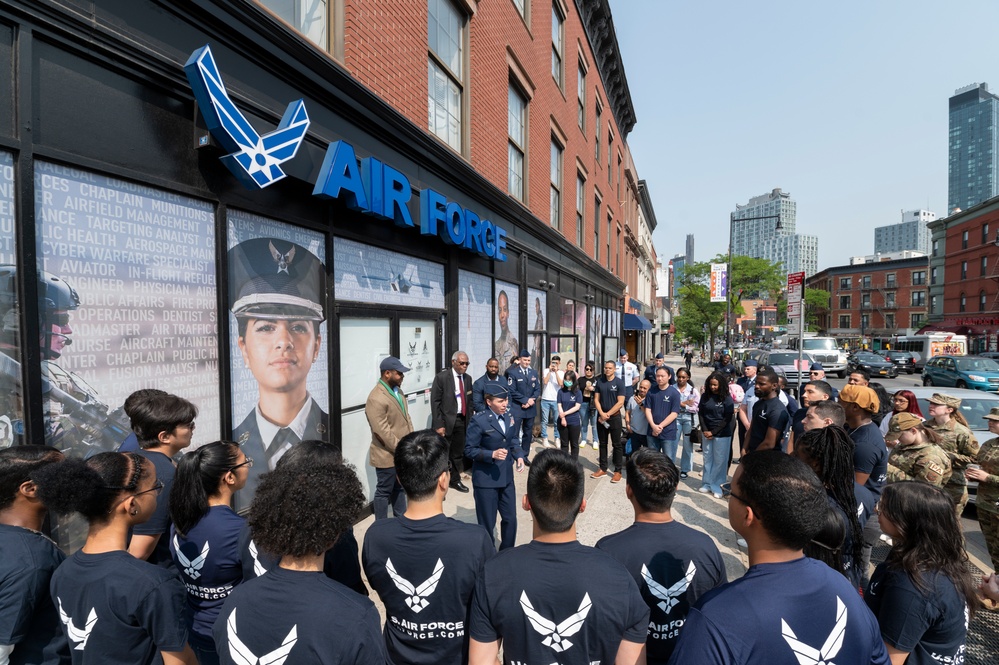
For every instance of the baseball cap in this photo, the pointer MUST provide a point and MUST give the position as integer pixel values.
(862, 396)
(392, 363)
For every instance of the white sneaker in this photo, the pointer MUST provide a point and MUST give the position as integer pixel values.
(716, 495)
(741, 542)
(703, 489)
(595, 445)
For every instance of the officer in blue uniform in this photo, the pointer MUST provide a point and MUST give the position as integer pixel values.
(525, 389)
(492, 445)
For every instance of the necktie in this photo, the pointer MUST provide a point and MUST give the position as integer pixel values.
(282, 443)
(461, 394)
(502, 424)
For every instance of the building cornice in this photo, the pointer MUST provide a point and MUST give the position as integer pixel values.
(599, 26)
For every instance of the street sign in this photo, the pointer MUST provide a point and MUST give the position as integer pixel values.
(795, 288)
(793, 309)
(719, 282)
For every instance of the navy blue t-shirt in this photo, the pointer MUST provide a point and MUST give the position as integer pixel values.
(340, 563)
(870, 455)
(28, 619)
(930, 625)
(608, 392)
(209, 564)
(865, 502)
(782, 613)
(159, 523)
(298, 618)
(673, 565)
(425, 571)
(662, 403)
(561, 602)
(117, 609)
(570, 399)
(768, 414)
(798, 422)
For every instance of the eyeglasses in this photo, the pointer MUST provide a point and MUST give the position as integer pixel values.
(157, 488)
(815, 371)
(736, 496)
(190, 425)
(462, 363)
(247, 462)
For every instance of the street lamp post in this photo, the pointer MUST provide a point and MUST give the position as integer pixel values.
(728, 270)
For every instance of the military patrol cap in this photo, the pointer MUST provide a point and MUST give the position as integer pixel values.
(993, 414)
(946, 400)
(524, 353)
(392, 363)
(751, 363)
(817, 367)
(622, 353)
(862, 396)
(660, 356)
(276, 279)
(901, 422)
(496, 389)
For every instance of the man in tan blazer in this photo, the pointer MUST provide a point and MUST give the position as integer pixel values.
(389, 420)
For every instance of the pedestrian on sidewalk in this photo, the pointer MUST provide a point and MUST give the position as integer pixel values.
(716, 411)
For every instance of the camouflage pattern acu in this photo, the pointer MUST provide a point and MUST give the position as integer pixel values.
(922, 461)
(988, 490)
(961, 447)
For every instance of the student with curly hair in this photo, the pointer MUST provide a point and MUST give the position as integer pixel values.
(295, 613)
(30, 631)
(205, 536)
(922, 595)
(341, 562)
(115, 608)
(829, 451)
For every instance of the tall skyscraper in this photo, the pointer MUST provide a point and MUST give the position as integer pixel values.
(973, 160)
(911, 233)
(690, 249)
(760, 238)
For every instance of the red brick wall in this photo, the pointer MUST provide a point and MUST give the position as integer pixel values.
(974, 283)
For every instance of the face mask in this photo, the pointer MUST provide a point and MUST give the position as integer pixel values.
(568, 384)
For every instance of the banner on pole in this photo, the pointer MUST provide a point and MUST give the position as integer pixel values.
(719, 282)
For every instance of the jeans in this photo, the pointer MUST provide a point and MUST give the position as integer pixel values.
(205, 656)
(684, 424)
(549, 409)
(655, 443)
(716, 453)
(588, 420)
(612, 434)
(388, 490)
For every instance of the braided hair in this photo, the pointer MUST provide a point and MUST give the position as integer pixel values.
(90, 487)
(829, 450)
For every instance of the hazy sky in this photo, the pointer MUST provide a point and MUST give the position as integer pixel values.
(843, 105)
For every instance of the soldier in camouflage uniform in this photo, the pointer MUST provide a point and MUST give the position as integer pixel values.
(914, 454)
(956, 440)
(988, 488)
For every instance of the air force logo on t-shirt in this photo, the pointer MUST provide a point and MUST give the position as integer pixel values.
(416, 595)
(192, 567)
(258, 568)
(554, 635)
(242, 654)
(669, 598)
(809, 655)
(78, 636)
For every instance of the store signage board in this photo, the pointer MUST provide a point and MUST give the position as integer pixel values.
(369, 186)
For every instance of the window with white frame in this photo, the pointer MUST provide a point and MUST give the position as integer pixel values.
(558, 44)
(580, 209)
(517, 143)
(309, 17)
(581, 97)
(445, 71)
(555, 199)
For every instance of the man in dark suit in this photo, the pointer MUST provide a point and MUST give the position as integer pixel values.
(450, 409)
(493, 445)
(525, 389)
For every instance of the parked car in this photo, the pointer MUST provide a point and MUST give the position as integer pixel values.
(973, 372)
(990, 354)
(975, 405)
(874, 364)
(904, 361)
(785, 362)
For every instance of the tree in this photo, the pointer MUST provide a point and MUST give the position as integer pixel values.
(816, 302)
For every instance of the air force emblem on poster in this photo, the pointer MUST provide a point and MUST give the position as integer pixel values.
(255, 160)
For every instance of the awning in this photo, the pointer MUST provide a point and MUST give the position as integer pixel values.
(635, 322)
(959, 327)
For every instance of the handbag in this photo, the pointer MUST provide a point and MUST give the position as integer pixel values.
(695, 435)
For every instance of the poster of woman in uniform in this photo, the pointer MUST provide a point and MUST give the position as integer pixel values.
(11, 406)
(507, 323)
(127, 300)
(277, 302)
(475, 330)
(536, 322)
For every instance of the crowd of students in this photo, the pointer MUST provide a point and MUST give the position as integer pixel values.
(284, 584)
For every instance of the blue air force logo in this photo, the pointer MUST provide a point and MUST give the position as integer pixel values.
(254, 159)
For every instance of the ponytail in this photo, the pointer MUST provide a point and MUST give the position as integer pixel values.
(89, 487)
(199, 474)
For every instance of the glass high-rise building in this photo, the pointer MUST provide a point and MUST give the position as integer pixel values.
(912, 233)
(760, 239)
(973, 147)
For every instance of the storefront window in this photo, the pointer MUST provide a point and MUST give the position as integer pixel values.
(507, 323)
(11, 405)
(475, 316)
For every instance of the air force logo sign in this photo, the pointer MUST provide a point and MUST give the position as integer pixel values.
(254, 159)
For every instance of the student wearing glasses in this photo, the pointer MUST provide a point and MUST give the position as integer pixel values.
(114, 608)
(164, 425)
(204, 539)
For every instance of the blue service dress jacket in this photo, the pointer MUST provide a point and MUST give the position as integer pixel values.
(483, 437)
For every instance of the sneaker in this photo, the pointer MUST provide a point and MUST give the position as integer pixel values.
(717, 495)
(741, 542)
(683, 474)
(704, 489)
(617, 477)
(596, 446)
(599, 474)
